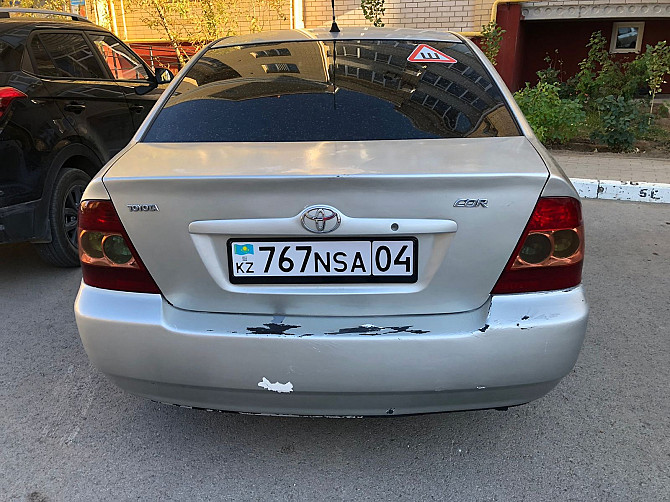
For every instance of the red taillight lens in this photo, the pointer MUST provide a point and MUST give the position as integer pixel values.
(7, 95)
(550, 253)
(108, 258)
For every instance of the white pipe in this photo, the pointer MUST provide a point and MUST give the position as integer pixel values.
(298, 15)
(112, 15)
(123, 18)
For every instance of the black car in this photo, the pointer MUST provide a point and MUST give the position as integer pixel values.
(71, 97)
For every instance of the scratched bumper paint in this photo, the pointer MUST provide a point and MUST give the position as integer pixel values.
(511, 350)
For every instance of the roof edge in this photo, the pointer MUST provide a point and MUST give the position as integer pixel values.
(345, 33)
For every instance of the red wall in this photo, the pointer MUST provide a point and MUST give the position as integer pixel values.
(542, 38)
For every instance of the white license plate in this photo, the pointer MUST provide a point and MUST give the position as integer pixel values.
(322, 261)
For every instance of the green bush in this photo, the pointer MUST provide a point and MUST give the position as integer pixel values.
(663, 111)
(554, 120)
(599, 75)
(492, 36)
(621, 122)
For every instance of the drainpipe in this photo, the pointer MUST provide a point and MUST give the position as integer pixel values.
(298, 15)
(511, 47)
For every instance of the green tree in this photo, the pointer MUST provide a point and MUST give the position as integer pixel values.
(201, 21)
(59, 5)
(656, 59)
(168, 17)
(373, 10)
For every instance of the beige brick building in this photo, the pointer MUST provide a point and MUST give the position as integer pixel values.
(534, 29)
(455, 15)
(130, 21)
(125, 19)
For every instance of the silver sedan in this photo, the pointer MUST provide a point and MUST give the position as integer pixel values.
(317, 223)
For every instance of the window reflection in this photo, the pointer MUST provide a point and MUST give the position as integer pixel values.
(626, 38)
(374, 93)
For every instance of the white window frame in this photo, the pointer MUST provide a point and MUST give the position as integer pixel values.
(625, 24)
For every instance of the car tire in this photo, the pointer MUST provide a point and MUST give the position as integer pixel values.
(63, 250)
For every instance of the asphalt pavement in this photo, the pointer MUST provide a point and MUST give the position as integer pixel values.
(68, 434)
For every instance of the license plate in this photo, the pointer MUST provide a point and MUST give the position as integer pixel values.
(322, 261)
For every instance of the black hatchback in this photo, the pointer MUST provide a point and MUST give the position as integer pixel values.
(71, 97)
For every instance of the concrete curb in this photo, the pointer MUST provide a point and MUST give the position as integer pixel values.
(634, 191)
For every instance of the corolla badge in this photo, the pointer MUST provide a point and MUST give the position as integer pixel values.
(320, 219)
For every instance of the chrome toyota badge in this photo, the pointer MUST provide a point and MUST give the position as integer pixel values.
(320, 219)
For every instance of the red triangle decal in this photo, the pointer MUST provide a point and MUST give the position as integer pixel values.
(426, 54)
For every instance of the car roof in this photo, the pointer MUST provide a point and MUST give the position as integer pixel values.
(38, 22)
(345, 33)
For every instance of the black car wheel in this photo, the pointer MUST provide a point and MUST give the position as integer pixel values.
(62, 251)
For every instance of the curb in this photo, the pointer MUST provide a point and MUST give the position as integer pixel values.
(633, 191)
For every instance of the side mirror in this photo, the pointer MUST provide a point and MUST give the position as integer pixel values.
(163, 75)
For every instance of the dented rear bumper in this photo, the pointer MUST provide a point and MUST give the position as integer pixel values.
(513, 349)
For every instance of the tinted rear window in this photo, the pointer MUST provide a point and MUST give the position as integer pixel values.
(333, 91)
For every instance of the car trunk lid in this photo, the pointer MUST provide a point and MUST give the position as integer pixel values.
(465, 202)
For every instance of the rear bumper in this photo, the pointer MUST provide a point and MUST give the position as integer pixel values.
(512, 350)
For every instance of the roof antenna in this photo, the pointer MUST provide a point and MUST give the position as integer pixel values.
(334, 28)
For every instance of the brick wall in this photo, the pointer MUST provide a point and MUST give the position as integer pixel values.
(137, 30)
(456, 15)
(553, 3)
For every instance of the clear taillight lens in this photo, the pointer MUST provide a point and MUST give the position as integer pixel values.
(550, 253)
(108, 258)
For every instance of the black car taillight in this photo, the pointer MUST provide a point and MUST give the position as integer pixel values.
(550, 253)
(7, 95)
(108, 258)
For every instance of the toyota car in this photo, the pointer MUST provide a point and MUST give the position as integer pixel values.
(340, 224)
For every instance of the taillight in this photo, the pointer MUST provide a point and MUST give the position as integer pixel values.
(7, 95)
(550, 253)
(108, 258)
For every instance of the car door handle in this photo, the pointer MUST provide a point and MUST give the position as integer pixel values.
(136, 108)
(75, 107)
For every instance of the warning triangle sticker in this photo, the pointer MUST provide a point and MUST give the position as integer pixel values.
(426, 54)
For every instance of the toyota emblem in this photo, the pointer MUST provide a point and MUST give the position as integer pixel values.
(320, 219)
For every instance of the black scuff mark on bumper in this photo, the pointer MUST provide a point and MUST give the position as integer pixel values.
(484, 328)
(272, 328)
(359, 330)
(371, 330)
(405, 329)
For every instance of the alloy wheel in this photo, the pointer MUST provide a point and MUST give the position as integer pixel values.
(71, 212)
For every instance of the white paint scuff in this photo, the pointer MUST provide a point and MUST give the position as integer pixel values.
(283, 388)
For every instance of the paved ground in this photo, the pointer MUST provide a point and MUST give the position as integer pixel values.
(603, 434)
(611, 166)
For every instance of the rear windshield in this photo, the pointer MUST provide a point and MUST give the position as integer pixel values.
(347, 90)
